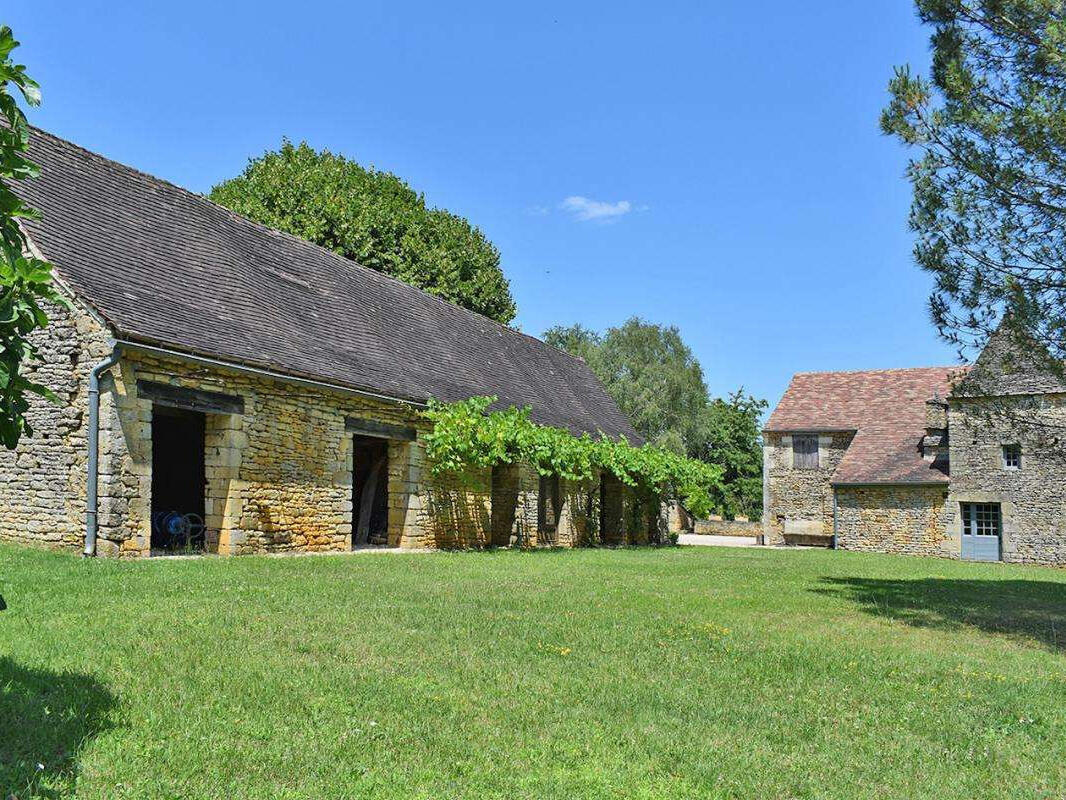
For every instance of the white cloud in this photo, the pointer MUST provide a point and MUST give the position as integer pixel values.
(586, 210)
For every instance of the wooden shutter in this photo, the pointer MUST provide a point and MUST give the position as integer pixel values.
(805, 451)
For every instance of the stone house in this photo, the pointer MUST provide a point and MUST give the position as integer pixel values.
(961, 462)
(251, 392)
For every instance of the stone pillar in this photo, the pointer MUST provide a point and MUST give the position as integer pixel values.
(224, 444)
(125, 467)
(505, 486)
(406, 473)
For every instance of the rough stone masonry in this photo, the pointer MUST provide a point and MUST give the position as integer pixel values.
(267, 391)
(277, 477)
(958, 462)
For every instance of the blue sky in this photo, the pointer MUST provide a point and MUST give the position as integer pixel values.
(714, 165)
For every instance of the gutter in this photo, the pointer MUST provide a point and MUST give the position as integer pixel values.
(93, 476)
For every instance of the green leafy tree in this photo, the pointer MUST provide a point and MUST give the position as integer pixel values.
(25, 282)
(728, 433)
(989, 206)
(658, 384)
(649, 371)
(374, 218)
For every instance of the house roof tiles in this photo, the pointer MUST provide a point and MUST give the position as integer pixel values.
(886, 410)
(165, 266)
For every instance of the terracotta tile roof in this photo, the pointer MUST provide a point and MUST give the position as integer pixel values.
(885, 408)
(165, 266)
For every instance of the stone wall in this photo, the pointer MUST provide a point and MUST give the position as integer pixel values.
(716, 526)
(579, 522)
(278, 477)
(1032, 498)
(452, 510)
(678, 520)
(515, 510)
(892, 519)
(802, 499)
(42, 481)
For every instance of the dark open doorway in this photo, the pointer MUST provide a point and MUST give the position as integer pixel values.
(177, 480)
(548, 510)
(370, 491)
(611, 511)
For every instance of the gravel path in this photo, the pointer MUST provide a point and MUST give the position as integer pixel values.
(717, 541)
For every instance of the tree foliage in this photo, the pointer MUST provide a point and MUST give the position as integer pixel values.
(649, 372)
(989, 206)
(728, 433)
(374, 218)
(25, 282)
(466, 434)
(658, 384)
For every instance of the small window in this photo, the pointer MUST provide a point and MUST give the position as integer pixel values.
(1012, 456)
(805, 452)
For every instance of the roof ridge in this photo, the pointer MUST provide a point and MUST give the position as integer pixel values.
(884, 369)
(299, 239)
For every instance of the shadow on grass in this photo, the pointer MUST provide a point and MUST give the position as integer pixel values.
(1032, 609)
(45, 719)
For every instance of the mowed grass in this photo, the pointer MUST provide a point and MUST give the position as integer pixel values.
(674, 673)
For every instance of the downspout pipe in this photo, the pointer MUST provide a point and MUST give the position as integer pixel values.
(834, 518)
(93, 478)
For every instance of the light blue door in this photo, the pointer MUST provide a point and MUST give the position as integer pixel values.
(982, 532)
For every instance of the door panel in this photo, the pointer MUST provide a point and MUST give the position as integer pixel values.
(982, 532)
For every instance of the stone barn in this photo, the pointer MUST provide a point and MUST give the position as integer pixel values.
(251, 392)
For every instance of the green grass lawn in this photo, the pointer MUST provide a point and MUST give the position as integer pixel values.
(683, 673)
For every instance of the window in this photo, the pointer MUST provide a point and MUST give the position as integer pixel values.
(980, 519)
(805, 451)
(1012, 456)
(548, 504)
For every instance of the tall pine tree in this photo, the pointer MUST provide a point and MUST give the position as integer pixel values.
(989, 206)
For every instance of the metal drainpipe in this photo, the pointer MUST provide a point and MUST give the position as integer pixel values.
(834, 518)
(94, 450)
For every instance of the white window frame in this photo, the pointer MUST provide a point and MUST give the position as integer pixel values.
(982, 519)
(1009, 453)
